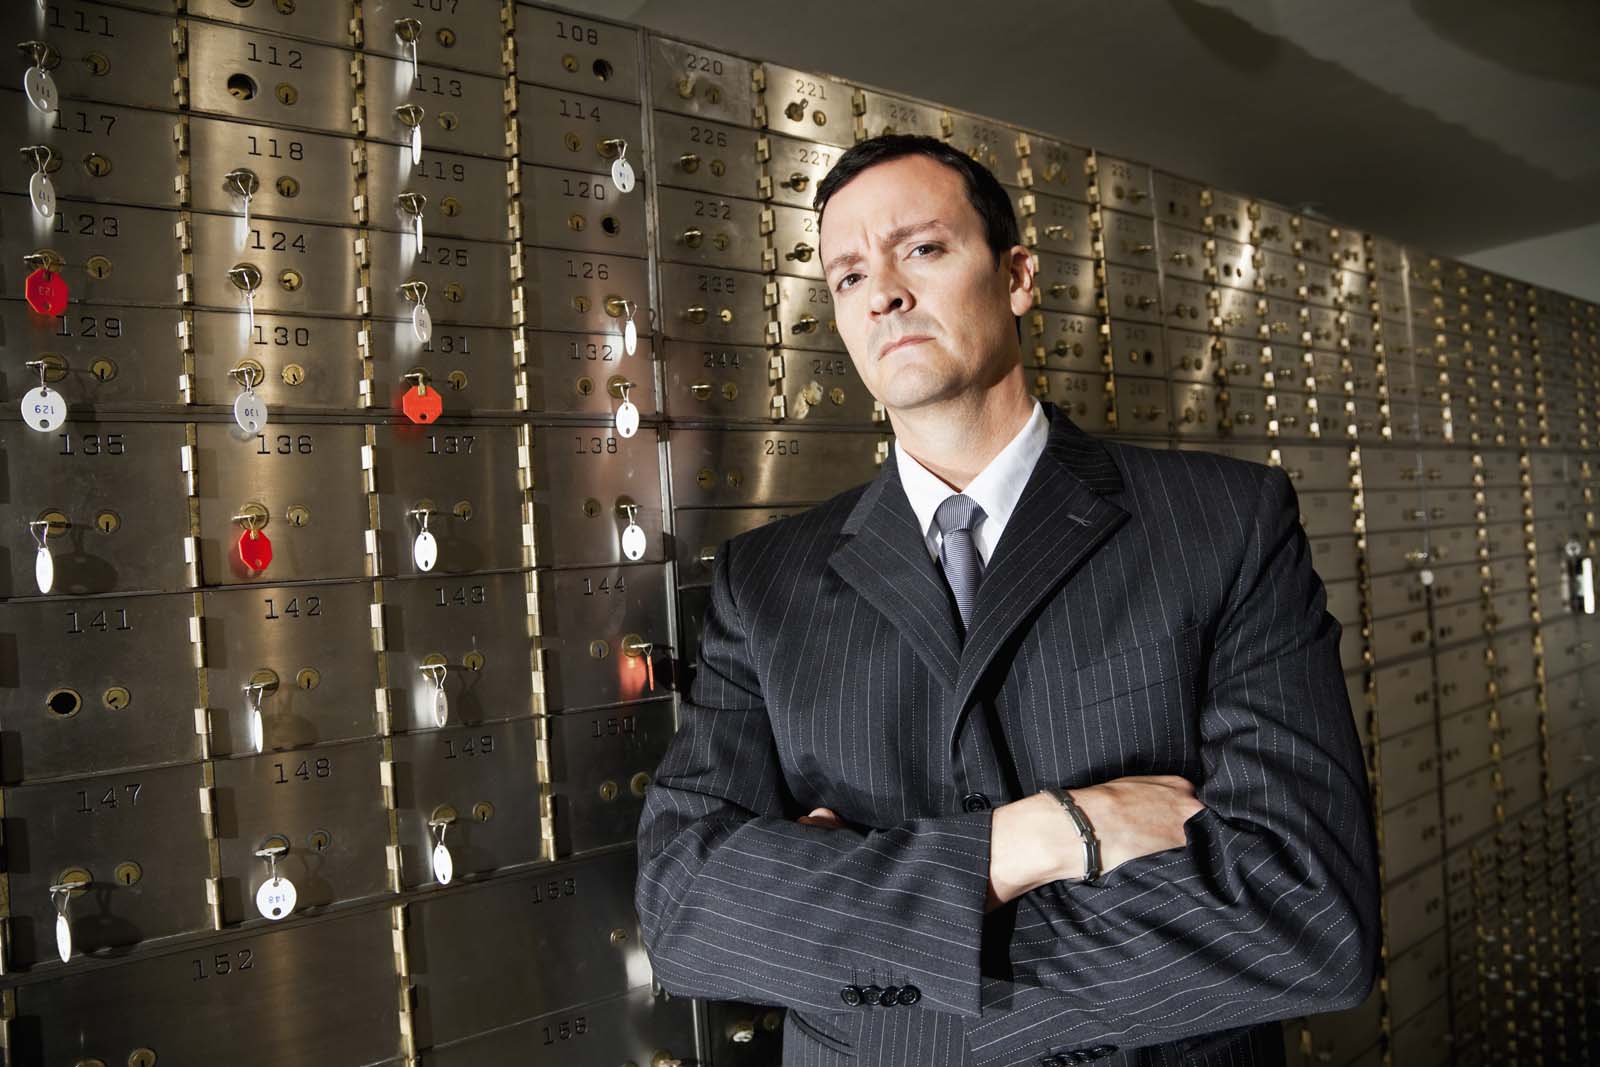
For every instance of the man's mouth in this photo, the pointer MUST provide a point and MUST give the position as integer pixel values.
(901, 342)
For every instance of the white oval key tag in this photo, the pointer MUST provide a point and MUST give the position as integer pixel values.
(258, 731)
(441, 707)
(630, 338)
(44, 569)
(63, 938)
(416, 145)
(425, 551)
(276, 897)
(627, 418)
(41, 89)
(444, 865)
(249, 411)
(44, 409)
(422, 323)
(622, 175)
(633, 541)
(42, 191)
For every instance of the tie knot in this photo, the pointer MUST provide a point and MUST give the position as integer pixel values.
(958, 512)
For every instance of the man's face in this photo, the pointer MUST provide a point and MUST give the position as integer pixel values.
(924, 309)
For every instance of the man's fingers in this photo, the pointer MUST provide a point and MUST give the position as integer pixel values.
(821, 817)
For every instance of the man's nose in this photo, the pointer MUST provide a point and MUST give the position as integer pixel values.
(889, 294)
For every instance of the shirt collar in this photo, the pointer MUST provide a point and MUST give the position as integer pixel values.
(996, 489)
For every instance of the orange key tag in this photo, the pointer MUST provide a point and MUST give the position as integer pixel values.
(421, 404)
(46, 292)
(255, 549)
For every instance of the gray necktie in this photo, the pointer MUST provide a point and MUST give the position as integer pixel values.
(958, 550)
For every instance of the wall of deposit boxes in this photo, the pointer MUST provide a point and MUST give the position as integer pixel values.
(382, 377)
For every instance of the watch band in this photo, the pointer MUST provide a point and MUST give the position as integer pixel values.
(1091, 843)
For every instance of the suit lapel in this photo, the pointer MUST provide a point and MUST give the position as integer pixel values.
(884, 557)
(1061, 518)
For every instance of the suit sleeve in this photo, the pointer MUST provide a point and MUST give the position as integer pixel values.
(1271, 909)
(739, 901)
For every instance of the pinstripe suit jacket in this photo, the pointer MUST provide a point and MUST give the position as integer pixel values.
(1145, 612)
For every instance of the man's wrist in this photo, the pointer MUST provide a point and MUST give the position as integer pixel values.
(1089, 866)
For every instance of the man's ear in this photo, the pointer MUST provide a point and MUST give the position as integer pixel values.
(1020, 266)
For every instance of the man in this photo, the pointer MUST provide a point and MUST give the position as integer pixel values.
(922, 706)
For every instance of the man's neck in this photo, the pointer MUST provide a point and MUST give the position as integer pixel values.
(956, 440)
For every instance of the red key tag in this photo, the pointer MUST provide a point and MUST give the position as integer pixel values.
(421, 404)
(46, 291)
(255, 549)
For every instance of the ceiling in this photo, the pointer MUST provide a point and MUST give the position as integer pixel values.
(1456, 125)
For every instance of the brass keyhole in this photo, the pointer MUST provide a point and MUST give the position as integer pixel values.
(599, 650)
(287, 94)
(97, 266)
(290, 280)
(97, 165)
(457, 380)
(591, 507)
(103, 369)
(319, 840)
(608, 790)
(576, 222)
(473, 661)
(116, 698)
(448, 120)
(718, 167)
(584, 386)
(639, 783)
(142, 1057)
(127, 873)
(455, 293)
(482, 811)
(308, 678)
(570, 63)
(730, 390)
(58, 523)
(55, 368)
(619, 936)
(706, 478)
(287, 187)
(445, 813)
(462, 509)
(108, 522)
(293, 374)
(98, 64)
(446, 37)
(450, 207)
(580, 304)
(266, 678)
(76, 876)
(63, 703)
(298, 515)
(573, 142)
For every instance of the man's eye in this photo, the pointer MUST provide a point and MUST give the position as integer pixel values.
(847, 281)
(920, 247)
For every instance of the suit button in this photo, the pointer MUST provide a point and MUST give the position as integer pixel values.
(850, 995)
(1052, 1061)
(975, 802)
(889, 997)
(870, 995)
(909, 995)
(1102, 1050)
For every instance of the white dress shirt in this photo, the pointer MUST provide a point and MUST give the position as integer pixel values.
(997, 488)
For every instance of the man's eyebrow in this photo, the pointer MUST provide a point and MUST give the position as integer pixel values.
(893, 237)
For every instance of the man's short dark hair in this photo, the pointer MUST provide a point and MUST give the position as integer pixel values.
(984, 191)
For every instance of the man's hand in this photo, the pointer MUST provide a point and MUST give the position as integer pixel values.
(1034, 842)
(822, 817)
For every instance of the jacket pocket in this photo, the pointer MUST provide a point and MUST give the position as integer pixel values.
(1135, 669)
(821, 1036)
